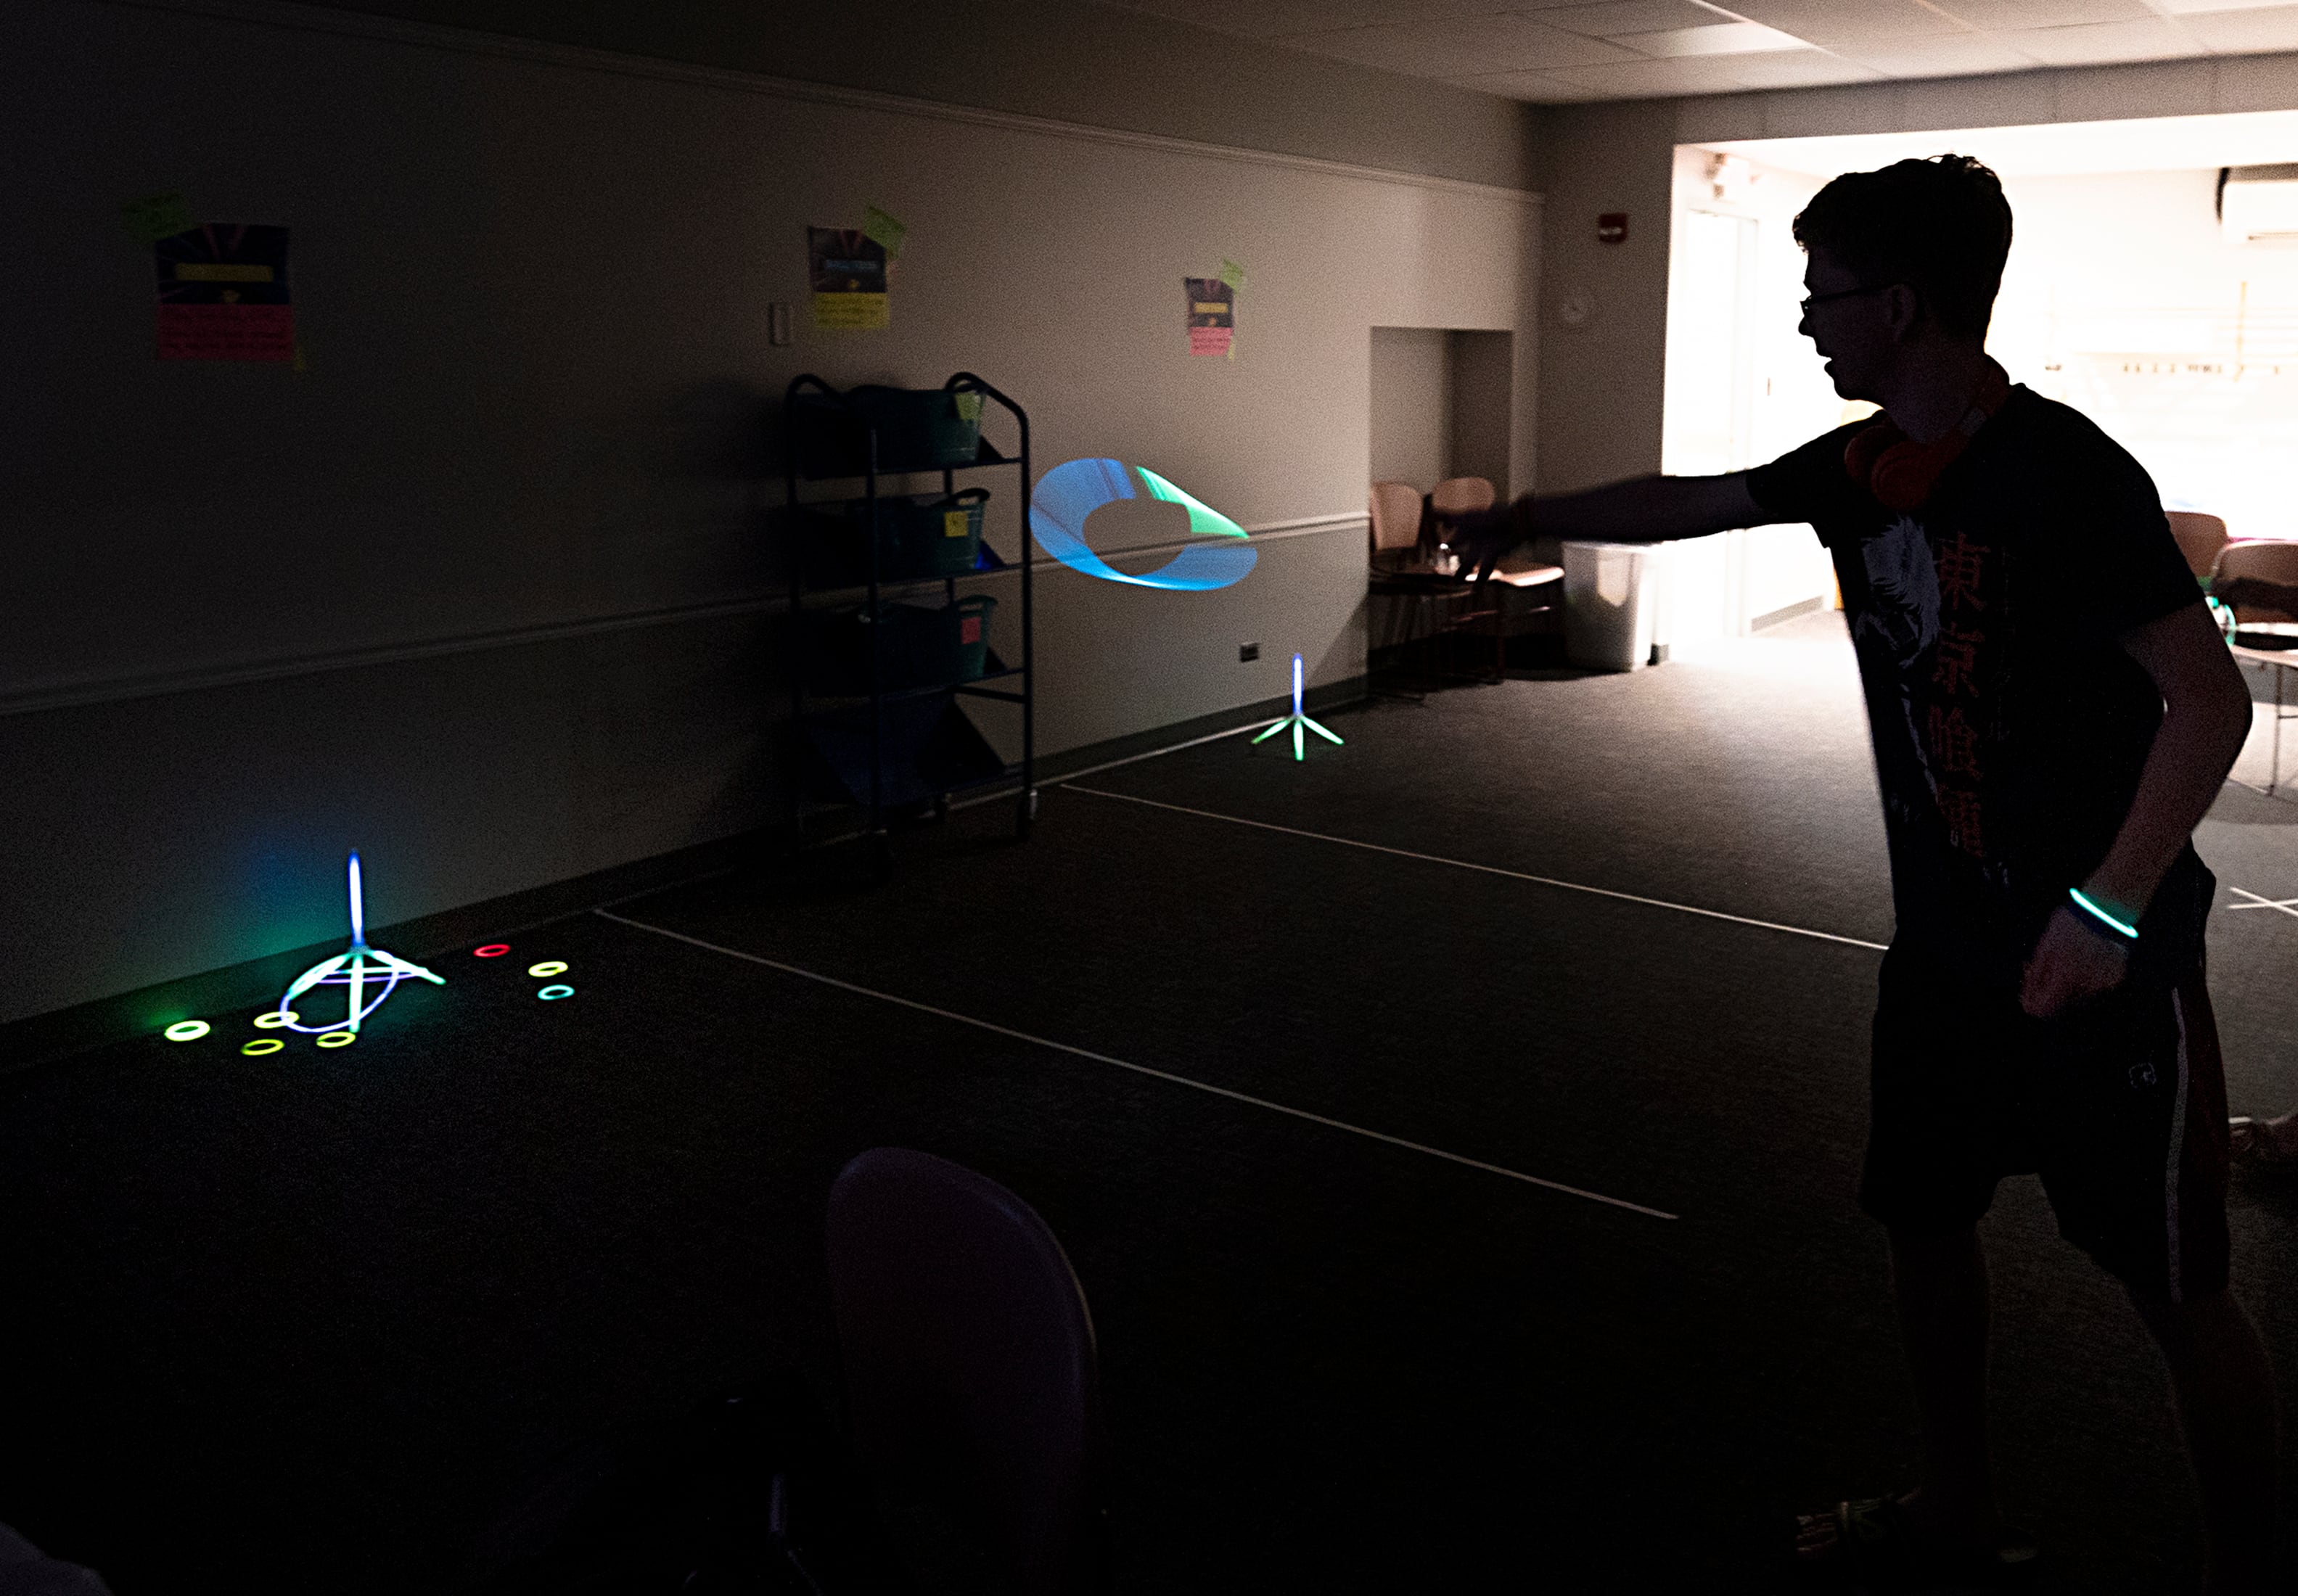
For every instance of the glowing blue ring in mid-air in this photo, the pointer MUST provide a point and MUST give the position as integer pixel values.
(1072, 490)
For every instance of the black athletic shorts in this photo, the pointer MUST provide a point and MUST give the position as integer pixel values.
(2118, 1104)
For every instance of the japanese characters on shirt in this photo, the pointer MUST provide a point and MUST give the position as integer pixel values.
(1938, 613)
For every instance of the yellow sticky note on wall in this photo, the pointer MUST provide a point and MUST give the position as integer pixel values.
(956, 523)
(852, 312)
(882, 229)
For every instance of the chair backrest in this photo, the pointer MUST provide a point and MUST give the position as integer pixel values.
(2200, 537)
(1395, 516)
(2259, 577)
(970, 1374)
(1460, 495)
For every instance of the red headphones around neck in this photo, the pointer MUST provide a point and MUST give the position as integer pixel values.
(1900, 472)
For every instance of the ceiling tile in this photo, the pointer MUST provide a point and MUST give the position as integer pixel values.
(2247, 32)
(1460, 48)
(1950, 57)
(1716, 74)
(1718, 39)
(2096, 43)
(1542, 89)
(1995, 14)
(1267, 19)
(1628, 16)
(2191, 7)
(1850, 25)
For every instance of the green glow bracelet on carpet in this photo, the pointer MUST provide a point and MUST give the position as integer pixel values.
(2101, 915)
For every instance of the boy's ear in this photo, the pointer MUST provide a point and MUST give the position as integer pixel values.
(1904, 307)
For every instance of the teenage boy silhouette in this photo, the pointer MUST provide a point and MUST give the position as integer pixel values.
(2053, 712)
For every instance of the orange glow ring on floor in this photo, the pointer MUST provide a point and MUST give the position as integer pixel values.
(338, 1038)
(493, 950)
(261, 1046)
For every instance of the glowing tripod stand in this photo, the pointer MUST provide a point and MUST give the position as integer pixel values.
(356, 967)
(1297, 719)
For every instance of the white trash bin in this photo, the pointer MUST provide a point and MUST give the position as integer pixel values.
(1610, 604)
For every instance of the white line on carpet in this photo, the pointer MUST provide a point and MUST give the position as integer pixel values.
(1513, 875)
(2288, 906)
(1103, 1058)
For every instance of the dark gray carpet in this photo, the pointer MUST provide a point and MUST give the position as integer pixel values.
(307, 1323)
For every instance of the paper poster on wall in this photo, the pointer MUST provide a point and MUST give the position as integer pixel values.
(1212, 316)
(881, 228)
(847, 271)
(223, 294)
(157, 216)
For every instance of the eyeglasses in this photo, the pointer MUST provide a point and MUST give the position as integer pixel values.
(1820, 299)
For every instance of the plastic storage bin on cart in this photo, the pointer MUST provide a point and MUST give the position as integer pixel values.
(919, 536)
(918, 429)
(916, 646)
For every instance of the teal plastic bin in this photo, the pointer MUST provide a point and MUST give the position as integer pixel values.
(919, 429)
(920, 536)
(917, 646)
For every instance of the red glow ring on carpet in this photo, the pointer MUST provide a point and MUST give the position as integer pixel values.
(493, 950)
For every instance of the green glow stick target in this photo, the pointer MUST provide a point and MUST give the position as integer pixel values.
(351, 968)
(1295, 721)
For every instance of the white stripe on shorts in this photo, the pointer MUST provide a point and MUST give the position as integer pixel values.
(2178, 1151)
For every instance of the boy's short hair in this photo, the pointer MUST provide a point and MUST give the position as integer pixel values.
(1942, 227)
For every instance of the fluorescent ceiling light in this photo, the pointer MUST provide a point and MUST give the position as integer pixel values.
(1718, 39)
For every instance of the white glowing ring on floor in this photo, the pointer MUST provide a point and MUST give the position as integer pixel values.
(552, 994)
(186, 1030)
(548, 967)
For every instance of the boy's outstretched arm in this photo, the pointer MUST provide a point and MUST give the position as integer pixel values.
(2205, 719)
(1643, 509)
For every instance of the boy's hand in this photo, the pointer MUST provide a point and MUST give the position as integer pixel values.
(2069, 963)
(1482, 536)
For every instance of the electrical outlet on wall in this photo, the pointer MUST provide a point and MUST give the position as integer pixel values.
(1246, 653)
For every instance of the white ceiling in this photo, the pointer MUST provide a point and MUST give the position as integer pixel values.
(1641, 49)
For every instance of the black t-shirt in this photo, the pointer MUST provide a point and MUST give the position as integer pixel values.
(2009, 725)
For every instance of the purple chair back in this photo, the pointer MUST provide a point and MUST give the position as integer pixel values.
(969, 1357)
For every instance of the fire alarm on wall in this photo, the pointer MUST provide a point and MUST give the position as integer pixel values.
(1612, 227)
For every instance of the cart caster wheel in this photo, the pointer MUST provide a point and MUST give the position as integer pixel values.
(1025, 812)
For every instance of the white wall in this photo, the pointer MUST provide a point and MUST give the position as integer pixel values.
(486, 591)
(1743, 386)
(1601, 386)
(1412, 406)
(2124, 299)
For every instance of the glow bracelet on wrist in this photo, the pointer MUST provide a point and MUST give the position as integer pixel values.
(2101, 915)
